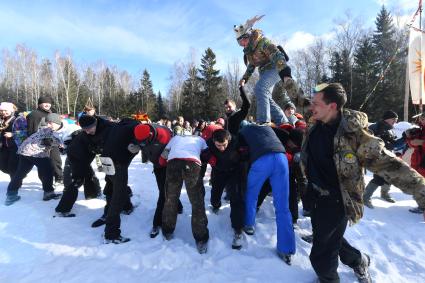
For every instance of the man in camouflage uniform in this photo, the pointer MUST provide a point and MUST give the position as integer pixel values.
(271, 61)
(335, 153)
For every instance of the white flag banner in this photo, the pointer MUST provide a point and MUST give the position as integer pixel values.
(416, 61)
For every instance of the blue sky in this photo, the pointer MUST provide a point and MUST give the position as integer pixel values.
(137, 35)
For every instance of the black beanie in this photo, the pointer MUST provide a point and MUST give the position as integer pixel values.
(45, 99)
(54, 118)
(289, 105)
(389, 115)
(87, 121)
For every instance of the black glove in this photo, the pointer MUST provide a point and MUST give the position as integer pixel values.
(47, 141)
(285, 72)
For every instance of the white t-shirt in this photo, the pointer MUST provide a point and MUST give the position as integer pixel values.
(186, 147)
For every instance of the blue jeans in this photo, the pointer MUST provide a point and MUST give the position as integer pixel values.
(273, 166)
(267, 108)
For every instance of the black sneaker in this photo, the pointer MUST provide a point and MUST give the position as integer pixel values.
(154, 232)
(51, 195)
(119, 240)
(418, 210)
(287, 258)
(99, 222)
(64, 214)
(249, 230)
(362, 270)
(202, 247)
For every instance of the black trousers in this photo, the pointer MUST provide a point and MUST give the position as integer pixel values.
(55, 156)
(25, 165)
(8, 160)
(116, 201)
(329, 223)
(73, 180)
(231, 180)
(160, 176)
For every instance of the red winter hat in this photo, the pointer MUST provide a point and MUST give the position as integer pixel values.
(142, 132)
(286, 126)
(301, 124)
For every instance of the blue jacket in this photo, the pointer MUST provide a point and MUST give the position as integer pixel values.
(260, 140)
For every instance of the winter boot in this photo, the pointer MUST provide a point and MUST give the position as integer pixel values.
(202, 247)
(368, 203)
(417, 210)
(119, 240)
(11, 199)
(385, 194)
(51, 195)
(237, 240)
(154, 232)
(99, 222)
(362, 270)
(368, 192)
(249, 230)
(64, 214)
(287, 258)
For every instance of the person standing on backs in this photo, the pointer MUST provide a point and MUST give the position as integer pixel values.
(272, 65)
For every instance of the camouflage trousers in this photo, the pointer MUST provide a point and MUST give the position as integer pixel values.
(187, 171)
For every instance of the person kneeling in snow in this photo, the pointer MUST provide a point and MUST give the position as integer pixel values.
(35, 150)
(184, 164)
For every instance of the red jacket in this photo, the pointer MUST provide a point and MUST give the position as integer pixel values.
(418, 151)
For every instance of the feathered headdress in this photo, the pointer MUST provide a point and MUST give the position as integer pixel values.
(241, 30)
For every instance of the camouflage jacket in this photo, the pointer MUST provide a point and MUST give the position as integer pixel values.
(262, 53)
(356, 149)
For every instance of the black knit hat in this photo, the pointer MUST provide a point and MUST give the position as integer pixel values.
(45, 99)
(87, 121)
(289, 105)
(389, 115)
(54, 118)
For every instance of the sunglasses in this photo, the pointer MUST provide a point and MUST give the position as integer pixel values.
(320, 87)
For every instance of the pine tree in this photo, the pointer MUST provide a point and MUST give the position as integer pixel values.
(193, 102)
(160, 106)
(364, 72)
(389, 92)
(212, 94)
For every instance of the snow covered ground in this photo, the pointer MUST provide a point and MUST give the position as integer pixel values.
(35, 247)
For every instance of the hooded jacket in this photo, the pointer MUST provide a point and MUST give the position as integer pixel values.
(356, 149)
